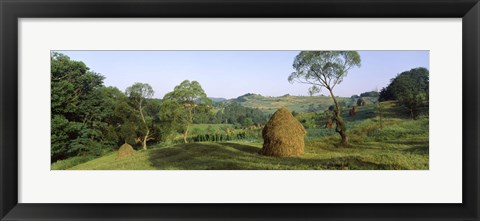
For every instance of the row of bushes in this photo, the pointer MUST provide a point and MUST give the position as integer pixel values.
(223, 137)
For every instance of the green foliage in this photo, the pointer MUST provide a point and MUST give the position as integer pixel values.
(410, 88)
(77, 109)
(386, 94)
(71, 83)
(308, 120)
(138, 95)
(235, 113)
(139, 92)
(89, 119)
(361, 101)
(323, 68)
(369, 94)
(188, 95)
(173, 117)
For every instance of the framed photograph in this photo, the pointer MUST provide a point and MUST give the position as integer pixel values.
(254, 110)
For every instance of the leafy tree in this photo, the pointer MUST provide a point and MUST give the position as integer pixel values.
(411, 89)
(386, 94)
(202, 114)
(325, 69)
(247, 121)
(74, 130)
(138, 94)
(235, 113)
(173, 118)
(190, 95)
(151, 110)
(71, 83)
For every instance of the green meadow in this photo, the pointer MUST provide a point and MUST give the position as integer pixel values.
(397, 143)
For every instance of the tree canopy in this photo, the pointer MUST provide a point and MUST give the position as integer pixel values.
(323, 69)
(77, 109)
(190, 96)
(411, 88)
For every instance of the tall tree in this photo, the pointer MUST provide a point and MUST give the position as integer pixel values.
(139, 93)
(190, 95)
(325, 69)
(173, 118)
(411, 88)
(74, 129)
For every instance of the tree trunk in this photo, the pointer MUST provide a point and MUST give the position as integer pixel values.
(190, 121)
(185, 135)
(144, 147)
(341, 128)
(380, 113)
(344, 141)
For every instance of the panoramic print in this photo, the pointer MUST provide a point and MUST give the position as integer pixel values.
(240, 110)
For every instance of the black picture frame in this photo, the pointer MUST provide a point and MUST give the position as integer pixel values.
(12, 10)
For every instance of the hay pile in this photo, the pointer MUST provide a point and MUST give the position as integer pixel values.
(125, 150)
(353, 111)
(329, 123)
(283, 135)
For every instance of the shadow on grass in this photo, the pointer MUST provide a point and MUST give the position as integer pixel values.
(406, 142)
(418, 150)
(233, 156)
(356, 163)
(418, 147)
(243, 147)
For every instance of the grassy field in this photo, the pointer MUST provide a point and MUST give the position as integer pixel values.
(394, 143)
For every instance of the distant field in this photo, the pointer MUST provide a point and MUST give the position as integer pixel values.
(293, 103)
(398, 143)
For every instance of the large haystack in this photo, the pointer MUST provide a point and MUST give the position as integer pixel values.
(125, 150)
(283, 135)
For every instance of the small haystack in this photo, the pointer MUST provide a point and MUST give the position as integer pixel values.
(283, 135)
(353, 111)
(329, 123)
(125, 150)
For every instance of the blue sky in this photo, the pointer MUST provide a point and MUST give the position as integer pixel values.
(229, 74)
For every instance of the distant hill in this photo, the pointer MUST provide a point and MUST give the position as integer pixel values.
(248, 96)
(293, 103)
(217, 99)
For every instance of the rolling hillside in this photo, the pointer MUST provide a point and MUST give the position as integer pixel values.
(293, 103)
(394, 142)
